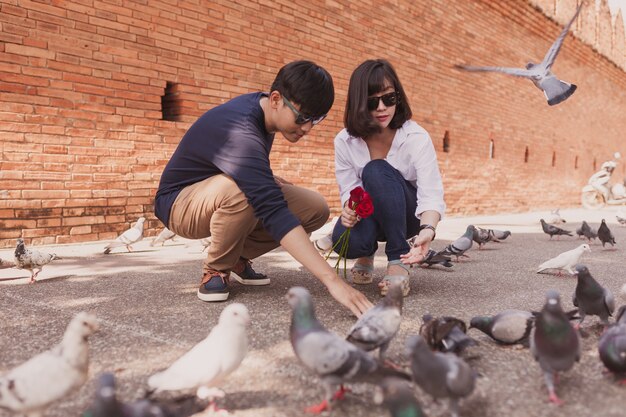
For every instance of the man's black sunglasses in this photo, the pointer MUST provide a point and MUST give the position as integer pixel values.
(389, 99)
(300, 118)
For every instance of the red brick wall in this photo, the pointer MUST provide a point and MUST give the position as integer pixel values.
(83, 145)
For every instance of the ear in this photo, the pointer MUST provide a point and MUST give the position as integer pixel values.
(275, 99)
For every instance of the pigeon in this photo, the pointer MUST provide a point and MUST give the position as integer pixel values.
(209, 362)
(379, 324)
(586, 231)
(445, 334)
(565, 261)
(206, 242)
(33, 386)
(31, 259)
(332, 358)
(106, 404)
(132, 235)
(621, 218)
(165, 235)
(4, 264)
(481, 236)
(605, 235)
(397, 396)
(554, 342)
(434, 258)
(508, 327)
(554, 89)
(591, 298)
(553, 230)
(440, 374)
(498, 235)
(612, 345)
(555, 217)
(461, 245)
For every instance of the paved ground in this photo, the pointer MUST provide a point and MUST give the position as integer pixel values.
(150, 315)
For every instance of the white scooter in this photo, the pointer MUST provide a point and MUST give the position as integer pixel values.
(597, 193)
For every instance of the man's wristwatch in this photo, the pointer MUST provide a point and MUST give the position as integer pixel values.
(428, 226)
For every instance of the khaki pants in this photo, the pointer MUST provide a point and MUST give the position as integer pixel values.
(216, 207)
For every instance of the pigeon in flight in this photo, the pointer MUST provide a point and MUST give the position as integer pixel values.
(553, 230)
(565, 261)
(508, 327)
(31, 259)
(209, 362)
(605, 235)
(132, 235)
(554, 342)
(31, 387)
(165, 235)
(592, 298)
(555, 90)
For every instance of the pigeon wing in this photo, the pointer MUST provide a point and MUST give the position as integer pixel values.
(459, 378)
(517, 72)
(609, 301)
(552, 53)
(324, 352)
(377, 327)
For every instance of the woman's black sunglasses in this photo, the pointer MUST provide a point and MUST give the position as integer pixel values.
(389, 99)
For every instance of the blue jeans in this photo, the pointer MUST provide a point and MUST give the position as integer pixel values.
(393, 220)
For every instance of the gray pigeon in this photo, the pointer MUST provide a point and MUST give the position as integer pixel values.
(379, 324)
(554, 342)
(481, 236)
(31, 259)
(508, 327)
(591, 298)
(553, 230)
(130, 236)
(445, 333)
(398, 397)
(33, 386)
(165, 235)
(605, 235)
(612, 345)
(332, 358)
(440, 374)
(105, 403)
(434, 258)
(586, 231)
(499, 235)
(461, 245)
(555, 90)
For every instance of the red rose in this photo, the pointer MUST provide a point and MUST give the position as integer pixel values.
(356, 196)
(365, 208)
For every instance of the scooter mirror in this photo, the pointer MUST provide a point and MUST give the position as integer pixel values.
(617, 155)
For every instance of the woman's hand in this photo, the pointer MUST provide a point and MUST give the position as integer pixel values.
(420, 248)
(348, 216)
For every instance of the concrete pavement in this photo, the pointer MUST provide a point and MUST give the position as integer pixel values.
(150, 315)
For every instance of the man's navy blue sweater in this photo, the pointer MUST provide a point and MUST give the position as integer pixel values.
(229, 139)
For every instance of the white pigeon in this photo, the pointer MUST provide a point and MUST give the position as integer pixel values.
(566, 260)
(166, 234)
(132, 235)
(206, 242)
(47, 377)
(555, 218)
(209, 362)
(621, 218)
(31, 259)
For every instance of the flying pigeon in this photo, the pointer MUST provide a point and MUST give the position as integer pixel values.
(31, 259)
(397, 396)
(554, 342)
(332, 358)
(461, 245)
(586, 231)
(106, 404)
(481, 236)
(591, 298)
(31, 387)
(541, 74)
(434, 258)
(165, 235)
(508, 327)
(621, 218)
(6, 264)
(440, 374)
(209, 362)
(612, 345)
(132, 235)
(553, 230)
(499, 235)
(555, 217)
(565, 261)
(605, 235)
(445, 334)
(379, 324)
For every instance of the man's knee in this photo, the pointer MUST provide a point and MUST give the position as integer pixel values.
(317, 213)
